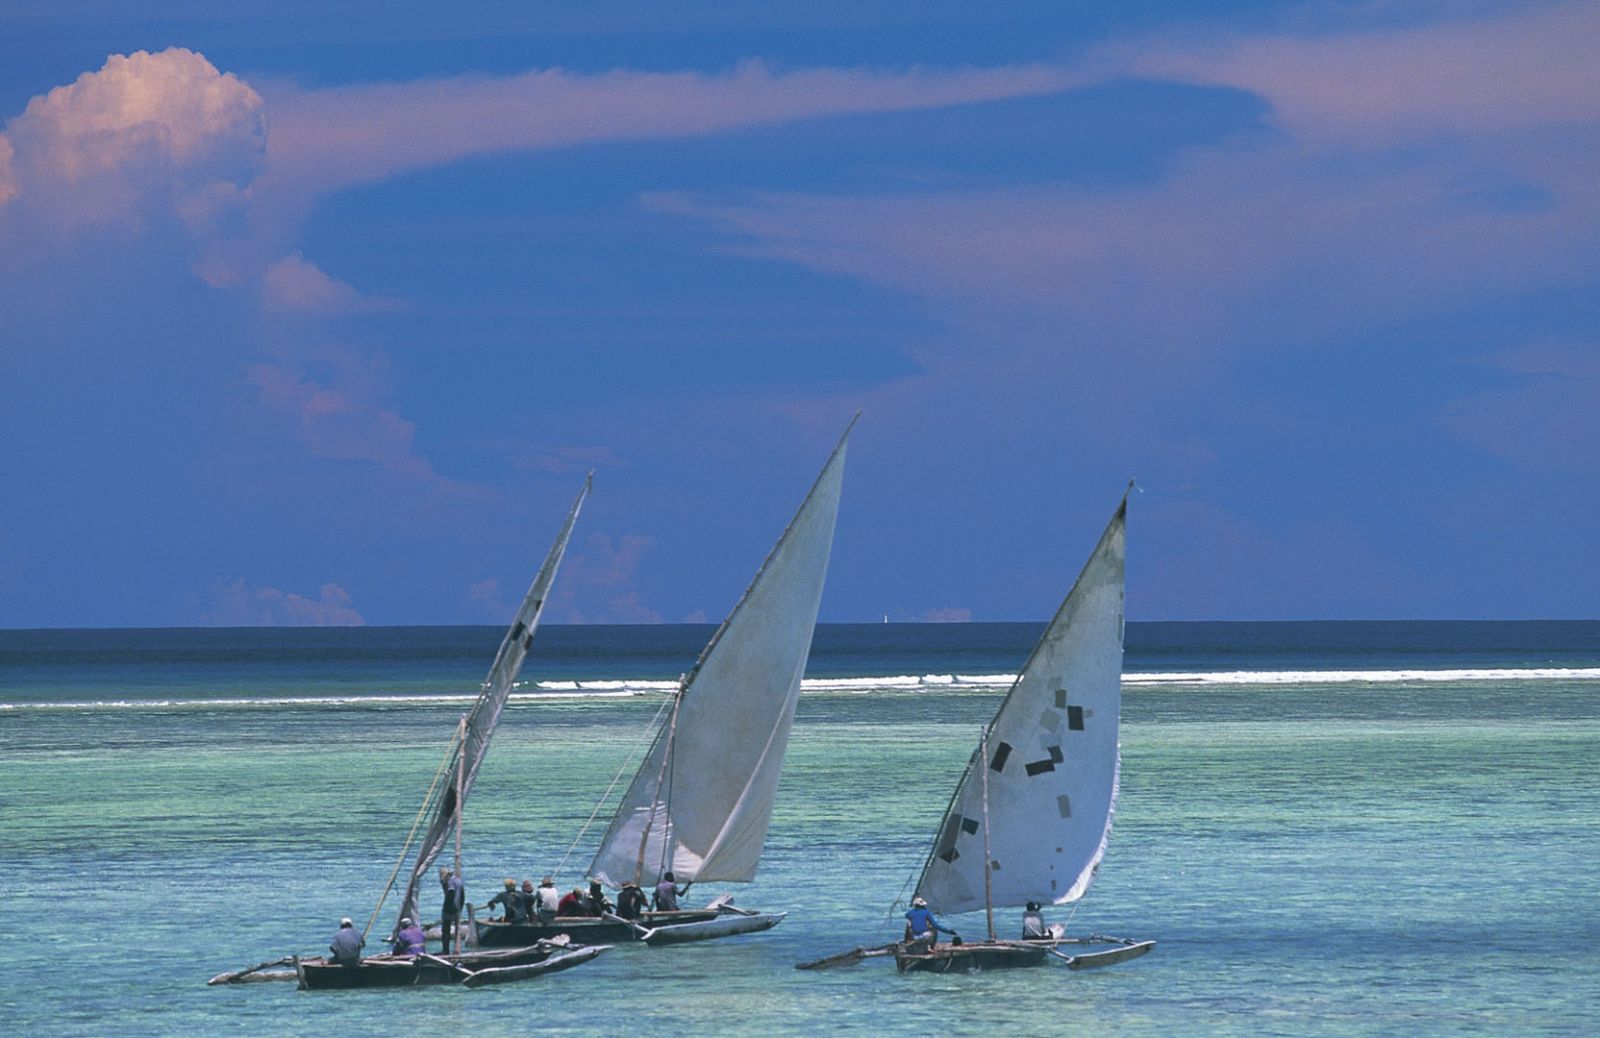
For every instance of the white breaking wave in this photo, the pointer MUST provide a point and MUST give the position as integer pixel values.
(534, 691)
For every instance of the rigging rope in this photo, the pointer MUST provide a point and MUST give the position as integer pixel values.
(427, 801)
(626, 761)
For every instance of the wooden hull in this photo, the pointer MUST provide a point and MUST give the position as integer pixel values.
(385, 971)
(969, 958)
(725, 925)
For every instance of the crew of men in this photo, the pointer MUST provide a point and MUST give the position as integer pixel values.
(544, 903)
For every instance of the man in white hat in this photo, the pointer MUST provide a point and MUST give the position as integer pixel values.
(347, 943)
(921, 925)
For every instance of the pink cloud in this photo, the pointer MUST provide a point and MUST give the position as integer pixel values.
(597, 584)
(165, 130)
(295, 285)
(237, 604)
(325, 139)
(341, 415)
(1526, 67)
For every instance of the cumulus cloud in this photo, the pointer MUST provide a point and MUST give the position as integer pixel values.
(145, 134)
(237, 604)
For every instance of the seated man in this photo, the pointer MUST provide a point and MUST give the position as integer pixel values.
(599, 904)
(1033, 928)
(547, 900)
(573, 904)
(410, 941)
(347, 943)
(922, 926)
(631, 902)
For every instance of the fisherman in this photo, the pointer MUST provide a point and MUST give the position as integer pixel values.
(347, 944)
(573, 904)
(547, 899)
(598, 904)
(410, 941)
(455, 899)
(1033, 928)
(631, 901)
(667, 892)
(511, 901)
(921, 925)
(530, 901)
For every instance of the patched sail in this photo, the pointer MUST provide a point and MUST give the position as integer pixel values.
(1052, 759)
(701, 801)
(486, 711)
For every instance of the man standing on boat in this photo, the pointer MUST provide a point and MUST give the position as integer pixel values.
(455, 899)
(921, 925)
(510, 901)
(667, 892)
(347, 943)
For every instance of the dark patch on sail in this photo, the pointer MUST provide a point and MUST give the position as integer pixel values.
(1075, 718)
(950, 855)
(518, 631)
(1064, 805)
(1055, 754)
(995, 865)
(969, 826)
(1001, 753)
(947, 839)
(1039, 767)
(1050, 721)
(447, 807)
(1061, 699)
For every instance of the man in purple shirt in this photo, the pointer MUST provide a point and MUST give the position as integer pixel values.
(410, 941)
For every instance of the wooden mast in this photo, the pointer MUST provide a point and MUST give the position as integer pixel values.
(461, 749)
(983, 781)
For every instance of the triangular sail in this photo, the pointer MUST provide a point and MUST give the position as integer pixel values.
(486, 711)
(1053, 759)
(702, 799)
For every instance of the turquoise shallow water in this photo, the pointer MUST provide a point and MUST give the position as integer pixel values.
(1320, 847)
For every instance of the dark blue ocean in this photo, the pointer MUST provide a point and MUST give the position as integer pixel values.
(1332, 828)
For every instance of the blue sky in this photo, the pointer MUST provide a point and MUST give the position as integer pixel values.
(318, 313)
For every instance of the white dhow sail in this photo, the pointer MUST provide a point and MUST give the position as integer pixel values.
(480, 723)
(1052, 760)
(701, 801)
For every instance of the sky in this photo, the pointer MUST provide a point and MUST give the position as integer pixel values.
(318, 313)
